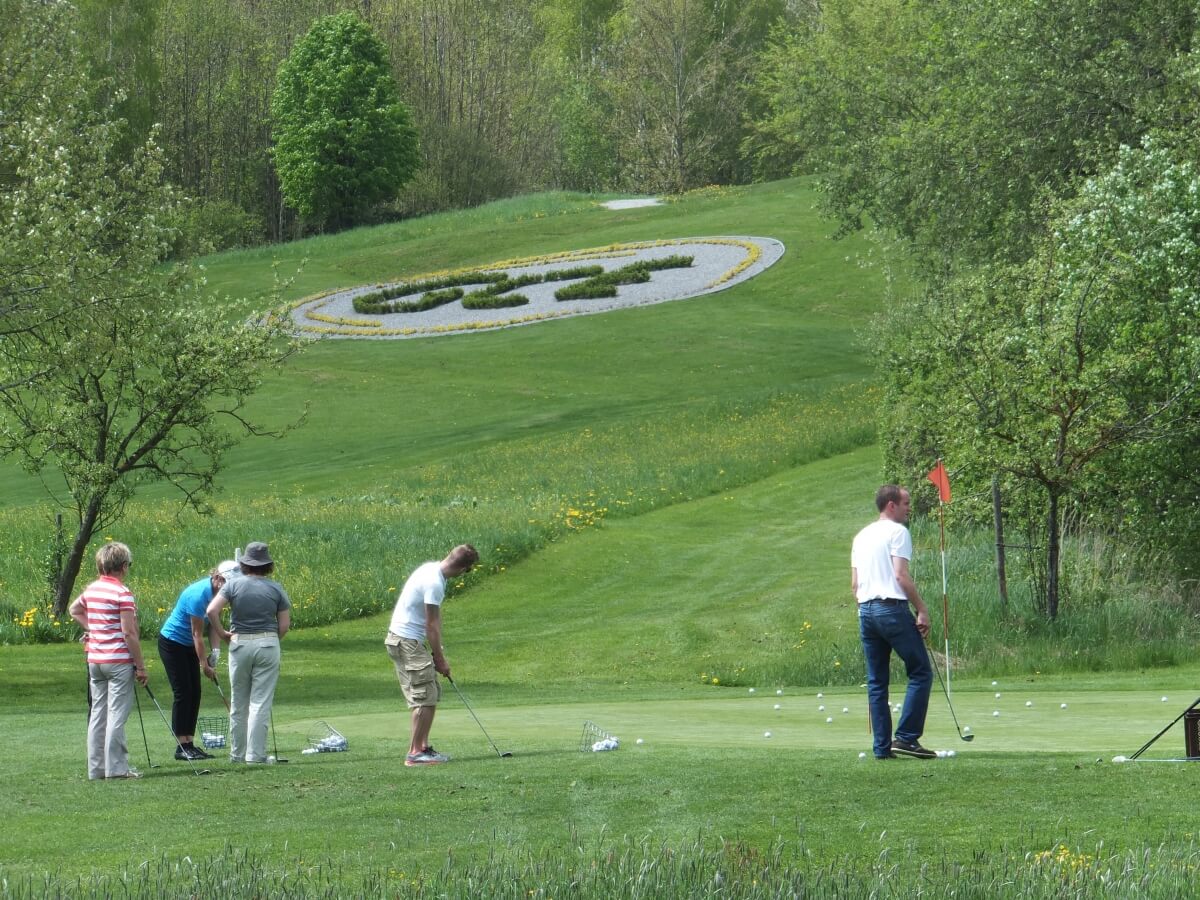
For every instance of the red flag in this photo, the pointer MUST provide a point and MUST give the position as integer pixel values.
(939, 477)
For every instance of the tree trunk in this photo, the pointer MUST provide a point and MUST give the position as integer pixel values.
(64, 583)
(998, 520)
(1053, 540)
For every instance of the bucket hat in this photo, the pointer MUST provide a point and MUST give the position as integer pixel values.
(256, 555)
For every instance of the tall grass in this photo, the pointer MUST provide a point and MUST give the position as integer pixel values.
(643, 868)
(341, 557)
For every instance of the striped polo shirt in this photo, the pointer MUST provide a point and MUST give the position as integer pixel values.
(103, 600)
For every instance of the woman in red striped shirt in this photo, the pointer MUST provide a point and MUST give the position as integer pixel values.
(108, 614)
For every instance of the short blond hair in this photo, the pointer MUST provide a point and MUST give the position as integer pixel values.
(463, 556)
(112, 558)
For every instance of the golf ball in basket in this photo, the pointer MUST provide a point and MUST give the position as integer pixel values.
(766, 734)
(1029, 703)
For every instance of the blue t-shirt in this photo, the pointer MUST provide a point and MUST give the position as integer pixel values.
(192, 602)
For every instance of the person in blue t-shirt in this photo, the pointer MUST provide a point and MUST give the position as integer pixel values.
(181, 649)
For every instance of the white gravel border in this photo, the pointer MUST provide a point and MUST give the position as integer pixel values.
(718, 263)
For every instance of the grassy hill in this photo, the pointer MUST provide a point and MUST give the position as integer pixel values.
(664, 498)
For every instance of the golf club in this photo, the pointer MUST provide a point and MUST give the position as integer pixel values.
(1142, 749)
(141, 722)
(965, 737)
(274, 746)
(217, 682)
(162, 715)
(476, 718)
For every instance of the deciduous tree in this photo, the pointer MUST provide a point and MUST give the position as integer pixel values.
(343, 139)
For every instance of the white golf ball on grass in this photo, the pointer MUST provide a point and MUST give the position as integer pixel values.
(966, 729)
(766, 734)
(821, 708)
(845, 709)
(778, 706)
(752, 690)
(951, 752)
(995, 712)
(638, 741)
(779, 693)
(862, 756)
(1119, 759)
(829, 720)
(1029, 703)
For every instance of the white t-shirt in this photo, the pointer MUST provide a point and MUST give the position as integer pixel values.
(425, 585)
(871, 556)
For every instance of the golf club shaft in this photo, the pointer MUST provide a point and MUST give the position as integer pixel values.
(1146, 746)
(275, 746)
(162, 715)
(473, 716)
(217, 682)
(950, 705)
(141, 722)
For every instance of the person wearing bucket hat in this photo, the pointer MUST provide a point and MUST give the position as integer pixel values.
(260, 615)
(181, 649)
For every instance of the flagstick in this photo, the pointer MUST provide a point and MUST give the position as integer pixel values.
(945, 600)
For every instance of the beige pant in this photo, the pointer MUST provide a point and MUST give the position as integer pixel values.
(112, 701)
(253, 672)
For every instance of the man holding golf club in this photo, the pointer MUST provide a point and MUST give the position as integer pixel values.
(107, 613)
(884, 589)
(181, 649)
(414, 642)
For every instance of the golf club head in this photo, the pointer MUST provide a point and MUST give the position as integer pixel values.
(967, 737)
(505, 755)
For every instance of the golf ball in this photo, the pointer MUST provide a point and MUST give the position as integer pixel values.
(862, 756)
(995, 712)
(845, 709)
(766, 734)
(1029, 703)
(819, 696)
(941, 754)
(779, 693)
(997, 696)
(821, 708)
(951, 752)
(1062, 706)
(1164, 699)
(752, 690)
(1119, 759)
(777, 706)
(829, 720)
(638, 741)
(966, 729)
(994, 683)
(270, 760)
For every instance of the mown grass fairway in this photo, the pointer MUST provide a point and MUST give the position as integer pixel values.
(664, 498)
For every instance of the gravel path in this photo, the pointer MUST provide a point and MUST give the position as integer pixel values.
(718, 263)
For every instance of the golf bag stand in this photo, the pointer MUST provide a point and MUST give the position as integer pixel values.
(1191, 733)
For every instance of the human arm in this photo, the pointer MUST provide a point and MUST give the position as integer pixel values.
(433, 634)
(906, 582)
(79, 613)
(129, 630)
(854, 582)
(198, 645)
(285, 621)
(213, 612)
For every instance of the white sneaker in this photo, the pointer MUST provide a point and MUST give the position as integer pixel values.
(427, 757)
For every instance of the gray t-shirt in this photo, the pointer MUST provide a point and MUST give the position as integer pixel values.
(255, 604)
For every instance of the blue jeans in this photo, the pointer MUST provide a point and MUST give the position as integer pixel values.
(885, 627)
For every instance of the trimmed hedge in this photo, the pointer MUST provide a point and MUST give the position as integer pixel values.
(605, 284)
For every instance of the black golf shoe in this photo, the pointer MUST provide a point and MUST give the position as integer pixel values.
(912, 748)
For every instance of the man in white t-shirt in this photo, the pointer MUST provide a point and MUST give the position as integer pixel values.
(884, 589)
(414, 642)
